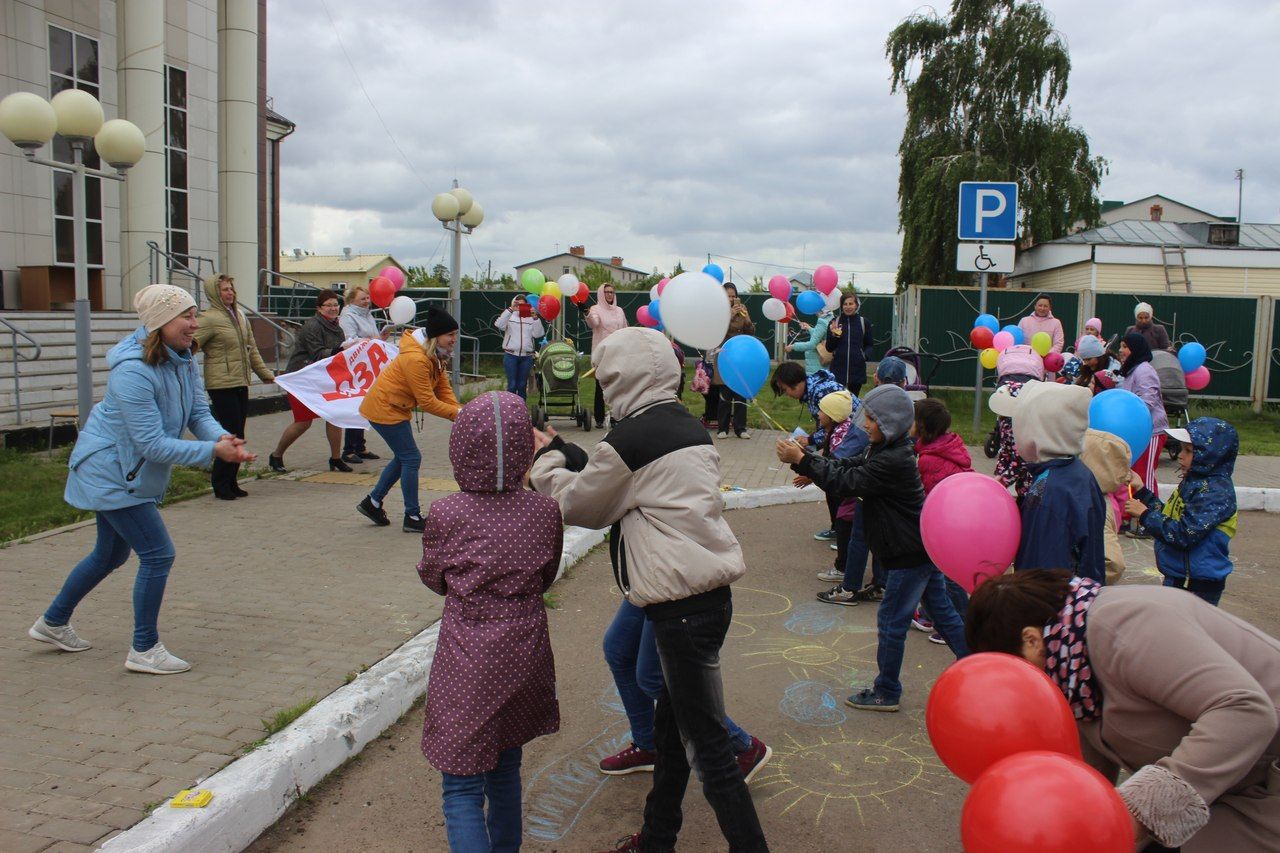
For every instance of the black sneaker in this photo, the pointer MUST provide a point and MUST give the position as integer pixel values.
(871, 592)
(376, 514)
(364, 454)
(353, 458)
(870, 700)
(413, 525)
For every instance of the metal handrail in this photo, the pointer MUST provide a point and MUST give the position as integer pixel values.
(266, 288)
(14, 334)
(284, 336)
(173, 264)
(475, 353)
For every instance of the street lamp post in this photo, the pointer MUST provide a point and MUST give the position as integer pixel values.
(460, 214)
(29, 121)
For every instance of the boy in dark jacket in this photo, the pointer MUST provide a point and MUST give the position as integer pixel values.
(888, 482)
(1193, 531)
(1063, 510)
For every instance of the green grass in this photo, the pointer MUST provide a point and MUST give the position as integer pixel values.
(31, 486)
(283, 718)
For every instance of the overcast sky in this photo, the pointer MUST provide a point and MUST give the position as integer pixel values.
(751, 130)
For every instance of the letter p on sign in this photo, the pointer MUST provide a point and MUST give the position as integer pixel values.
(988, 211)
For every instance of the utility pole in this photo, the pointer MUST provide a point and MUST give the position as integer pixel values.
(1240, 197)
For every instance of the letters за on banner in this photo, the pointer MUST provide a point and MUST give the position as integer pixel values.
(334, 387)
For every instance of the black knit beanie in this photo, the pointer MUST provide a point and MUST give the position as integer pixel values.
(439, 322)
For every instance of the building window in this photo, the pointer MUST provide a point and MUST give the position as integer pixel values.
(177, 222)
(564, 269)
(73, 64)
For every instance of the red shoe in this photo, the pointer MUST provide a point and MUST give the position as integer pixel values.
(753, 759)
(633, 759)
(631, 842)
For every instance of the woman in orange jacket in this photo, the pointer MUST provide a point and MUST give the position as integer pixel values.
(416, 378)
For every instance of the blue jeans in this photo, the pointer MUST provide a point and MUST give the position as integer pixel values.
(632, 655)
(120, 531)
(469, 829)
(405, 460)
(855, 564)
(903, 589)
(517, 368)
(1209, 590)
(959, 598)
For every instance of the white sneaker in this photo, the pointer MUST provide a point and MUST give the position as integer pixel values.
(722, 434)
(746, 433)
(830, 576)
(62, 636)
(156, 660)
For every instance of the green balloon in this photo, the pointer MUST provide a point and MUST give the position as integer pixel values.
(533, 281)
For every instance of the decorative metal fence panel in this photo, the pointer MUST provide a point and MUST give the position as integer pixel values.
(1226, 325)
(1273, 359)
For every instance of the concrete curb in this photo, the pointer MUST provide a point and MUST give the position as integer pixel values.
(250, 794)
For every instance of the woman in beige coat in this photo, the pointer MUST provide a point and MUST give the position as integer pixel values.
(230, 352)
(1181, 694)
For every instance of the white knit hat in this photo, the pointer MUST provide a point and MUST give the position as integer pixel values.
(157, 304)
(1143, 308)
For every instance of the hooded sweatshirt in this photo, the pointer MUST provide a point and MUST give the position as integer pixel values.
(357, 322)
(809, 346)
(1107, 456)
(1063, 511)
(886, 478)
(1050, 325)
(226, 339)
(1193, 531)
(942, 457)
(605, 319)
(654, 479)
(491, 550)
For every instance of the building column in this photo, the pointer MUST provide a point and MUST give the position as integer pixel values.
(142, 195)
(238, 145)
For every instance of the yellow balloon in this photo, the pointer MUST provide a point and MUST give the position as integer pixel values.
(988, 358)
(1041, 343)
(551, 289)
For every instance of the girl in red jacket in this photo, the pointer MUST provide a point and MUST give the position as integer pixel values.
(939, 453)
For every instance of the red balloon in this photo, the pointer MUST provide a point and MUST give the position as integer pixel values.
(582, 295)
(989, 706)
(1043, 802)
(549, 307)
(1198, 379)
(382, 291)
(981, 337)
(1053, 362)
(791, 313)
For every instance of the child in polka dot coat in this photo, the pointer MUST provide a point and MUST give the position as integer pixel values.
(491, 550)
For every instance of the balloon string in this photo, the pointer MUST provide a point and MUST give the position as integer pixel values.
(779, 427)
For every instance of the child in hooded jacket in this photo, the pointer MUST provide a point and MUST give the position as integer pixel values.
(1107, 456)
(491, 550)
(940, 453)
(1063, 511)
(887, 480)
(1193, 531)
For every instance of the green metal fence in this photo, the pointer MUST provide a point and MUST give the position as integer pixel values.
(1273, 355)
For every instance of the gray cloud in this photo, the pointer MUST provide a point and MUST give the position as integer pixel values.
(667, 130)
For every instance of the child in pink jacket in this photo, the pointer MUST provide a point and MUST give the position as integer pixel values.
(939, 453)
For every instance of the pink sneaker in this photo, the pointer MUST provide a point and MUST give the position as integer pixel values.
(753, 759)
(633, 759)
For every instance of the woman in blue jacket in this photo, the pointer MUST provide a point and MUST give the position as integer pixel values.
(849, 340)
(120, 469)
(1193, 531)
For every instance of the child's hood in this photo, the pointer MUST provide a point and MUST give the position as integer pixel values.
(1107, 456)
(636, 368)
(491, 445)
(1050, 420)
(1214, 445)
(950, 447)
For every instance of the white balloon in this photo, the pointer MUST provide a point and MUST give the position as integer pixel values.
(833, 299)
(695, 310)
(402, 310)
(653, 294)
(774, 309)
(568, 284)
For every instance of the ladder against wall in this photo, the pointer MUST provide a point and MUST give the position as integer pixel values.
(1174, 259)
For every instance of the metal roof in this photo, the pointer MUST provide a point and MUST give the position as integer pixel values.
(333, 263)
(1144, 232)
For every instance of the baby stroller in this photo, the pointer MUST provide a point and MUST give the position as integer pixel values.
(556, 367)
(1173, 393)
(1016, 364)
(920, 369)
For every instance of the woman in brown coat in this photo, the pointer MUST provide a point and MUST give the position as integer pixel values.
(1181, 694)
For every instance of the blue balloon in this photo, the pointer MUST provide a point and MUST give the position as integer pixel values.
(810, 302)
(744, 363)
(533, 302)
(1191, 356)
(1122, 413)
(715, 272)
(989, 321)
(1018, 337)
(653, 312)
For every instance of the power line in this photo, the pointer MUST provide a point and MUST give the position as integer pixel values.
(372, 105)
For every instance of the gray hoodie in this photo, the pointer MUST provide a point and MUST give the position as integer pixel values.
(892, 409)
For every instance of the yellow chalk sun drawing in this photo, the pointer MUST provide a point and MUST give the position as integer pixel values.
(806, 659)
(836, 772)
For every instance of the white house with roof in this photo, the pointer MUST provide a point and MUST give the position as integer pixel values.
(576, 260)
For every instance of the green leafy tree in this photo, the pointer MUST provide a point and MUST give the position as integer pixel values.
(985, 90)
(595, 275)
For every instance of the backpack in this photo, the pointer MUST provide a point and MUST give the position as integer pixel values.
(701, 383)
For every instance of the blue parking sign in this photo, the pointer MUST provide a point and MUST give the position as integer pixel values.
(988, 211)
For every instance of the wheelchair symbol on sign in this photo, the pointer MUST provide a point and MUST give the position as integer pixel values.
(983, 261)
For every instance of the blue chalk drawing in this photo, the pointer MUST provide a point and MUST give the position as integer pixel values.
(810, 620)
(560, 792)
(610, 700)
(812, 703)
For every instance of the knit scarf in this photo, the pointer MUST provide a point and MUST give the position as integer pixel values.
(1067, 656)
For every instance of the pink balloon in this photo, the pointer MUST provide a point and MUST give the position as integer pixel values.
(645, 318)
(780, 288)
(1053, 362)
(825, 279)
(971, 528)
(395, 275)
(1198, 379)
(1001, 341)
(662, 285)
